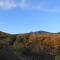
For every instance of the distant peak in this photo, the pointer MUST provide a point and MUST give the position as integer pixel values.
(40, 32)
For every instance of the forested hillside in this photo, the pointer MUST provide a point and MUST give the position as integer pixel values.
(33, 43)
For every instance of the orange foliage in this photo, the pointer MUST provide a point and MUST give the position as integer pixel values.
(53, 40)
(49, 39)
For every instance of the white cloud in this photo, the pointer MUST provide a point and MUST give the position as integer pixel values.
(7, 4)
(44, 5)
(23, 4)
(47, 8)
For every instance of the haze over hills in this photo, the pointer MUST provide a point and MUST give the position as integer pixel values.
(37, 32)
(3, 33)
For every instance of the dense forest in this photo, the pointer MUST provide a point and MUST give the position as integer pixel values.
(40, 45)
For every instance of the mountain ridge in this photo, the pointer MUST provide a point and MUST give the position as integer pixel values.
(37, 32)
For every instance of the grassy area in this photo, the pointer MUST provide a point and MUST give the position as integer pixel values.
(57, 57)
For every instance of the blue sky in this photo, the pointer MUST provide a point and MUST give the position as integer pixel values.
(20, 16)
